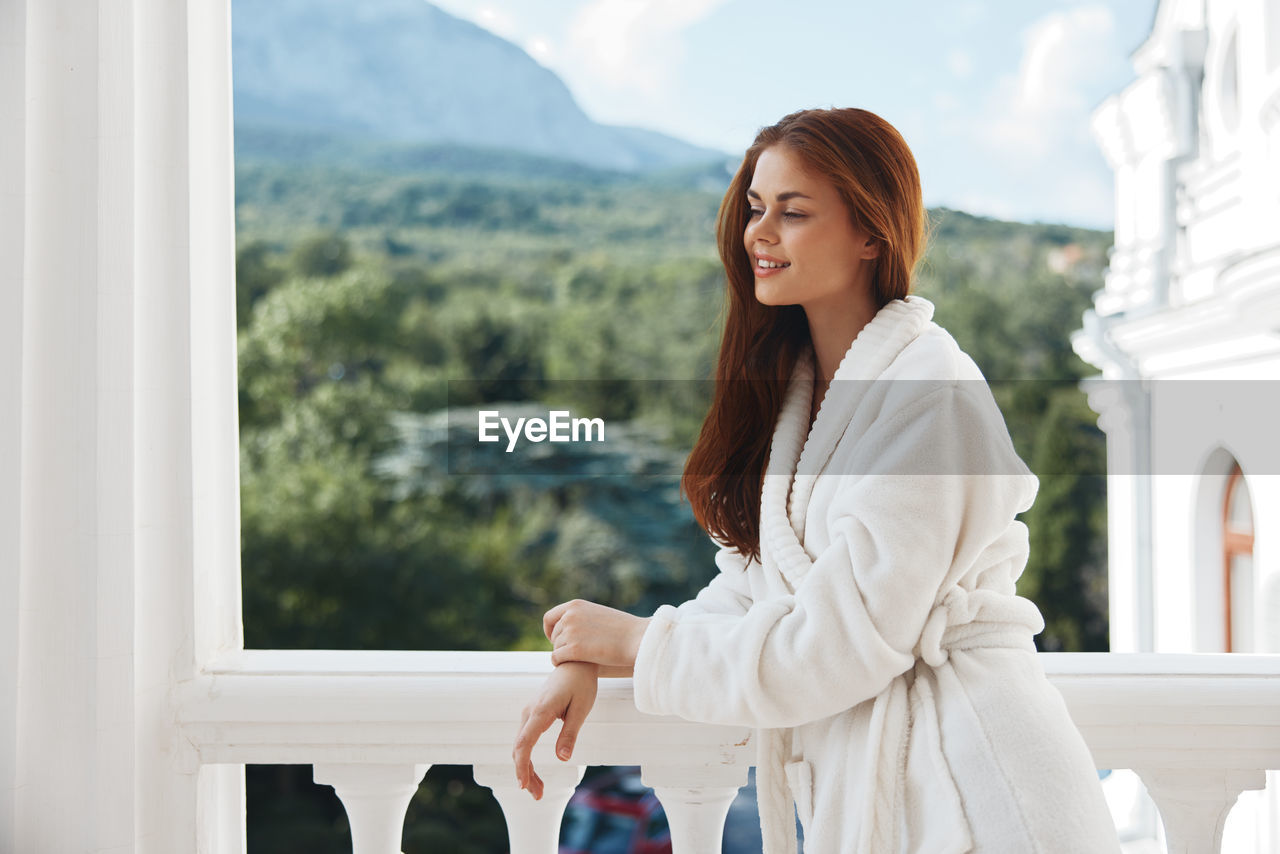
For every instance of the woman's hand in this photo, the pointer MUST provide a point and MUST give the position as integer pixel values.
(569, 694)
(585, 631)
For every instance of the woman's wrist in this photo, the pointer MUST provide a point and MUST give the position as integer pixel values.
(584, 666)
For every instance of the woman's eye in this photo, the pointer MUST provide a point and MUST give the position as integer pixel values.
(793, 215)
(757, 212)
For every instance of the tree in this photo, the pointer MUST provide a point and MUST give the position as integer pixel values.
(256, 275)
(1066, 574)
(323, 255)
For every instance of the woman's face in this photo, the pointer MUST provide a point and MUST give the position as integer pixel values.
(800, 238)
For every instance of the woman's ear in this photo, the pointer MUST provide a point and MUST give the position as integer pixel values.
(871, 249)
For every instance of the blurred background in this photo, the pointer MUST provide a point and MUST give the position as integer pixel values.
(515, 196)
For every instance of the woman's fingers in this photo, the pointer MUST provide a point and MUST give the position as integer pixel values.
(518, 757)
(567, 652)
(552, 617)
(564, 627)
(533, 725)
(574, 717)
(568, 695)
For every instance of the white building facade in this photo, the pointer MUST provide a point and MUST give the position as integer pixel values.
(1186, 333)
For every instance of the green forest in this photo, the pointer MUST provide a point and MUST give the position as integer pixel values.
(372, 296)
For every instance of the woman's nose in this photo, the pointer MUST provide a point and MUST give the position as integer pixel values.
(761, 229)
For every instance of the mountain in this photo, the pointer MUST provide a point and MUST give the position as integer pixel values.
(404, 71)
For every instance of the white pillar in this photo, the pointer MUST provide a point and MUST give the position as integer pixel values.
(1123, 415)
(13, 28)
(1194, 804)
(187, 521)
(117, 418)
(375, 798)
(696, 801)
(533, 827)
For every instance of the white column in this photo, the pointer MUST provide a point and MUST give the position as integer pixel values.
(73, 570)
(13, 28)
(186, 518)
(532, 826)
(1194, 804)
(211, 269)
(118, 401)
(375, 798)
(1121, 405)
(696, 801)
(13, 181)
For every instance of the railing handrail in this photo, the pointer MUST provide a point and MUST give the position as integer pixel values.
(1178, 711)
(433, 662)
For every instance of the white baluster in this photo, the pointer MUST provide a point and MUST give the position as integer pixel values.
(375, 798)
(532, 826)
(1194, 804)
(696, 801)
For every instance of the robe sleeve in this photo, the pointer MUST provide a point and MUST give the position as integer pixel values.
(932, 484)
(728, 593)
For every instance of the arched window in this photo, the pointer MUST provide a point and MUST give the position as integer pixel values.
(1237, 562)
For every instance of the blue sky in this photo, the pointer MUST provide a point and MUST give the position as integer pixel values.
(994, 96)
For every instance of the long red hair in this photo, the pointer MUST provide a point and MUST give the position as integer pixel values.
(869, 163)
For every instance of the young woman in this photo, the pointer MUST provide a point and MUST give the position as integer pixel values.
(861, 483)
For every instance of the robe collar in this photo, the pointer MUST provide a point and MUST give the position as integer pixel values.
(797, 454)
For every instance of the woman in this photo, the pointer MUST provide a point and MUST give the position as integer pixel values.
(860, 481)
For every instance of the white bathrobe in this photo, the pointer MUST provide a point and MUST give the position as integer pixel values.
(878, 646)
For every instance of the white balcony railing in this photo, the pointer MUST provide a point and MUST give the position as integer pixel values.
(1198, 729)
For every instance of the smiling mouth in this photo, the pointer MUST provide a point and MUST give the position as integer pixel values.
(771, 265)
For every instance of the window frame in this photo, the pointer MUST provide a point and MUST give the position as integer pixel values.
(1235, 543)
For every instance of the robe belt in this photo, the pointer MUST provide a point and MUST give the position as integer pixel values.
(906, 701)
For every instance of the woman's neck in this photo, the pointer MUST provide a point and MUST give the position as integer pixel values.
(832, 330)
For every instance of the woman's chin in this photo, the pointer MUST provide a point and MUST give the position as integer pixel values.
(766, 294)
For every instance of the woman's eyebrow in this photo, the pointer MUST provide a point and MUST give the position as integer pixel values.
(782, 197)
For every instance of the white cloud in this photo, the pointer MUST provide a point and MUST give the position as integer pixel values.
(493, 18)
(1035, 123)
(539, 47)
(516, 21)
(1063, 55)
(635, 45)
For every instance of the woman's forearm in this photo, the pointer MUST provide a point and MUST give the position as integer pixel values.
(617, 672)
